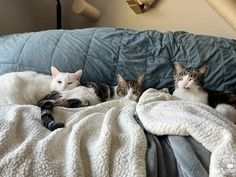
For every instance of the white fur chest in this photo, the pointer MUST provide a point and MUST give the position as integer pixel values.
(191, 95)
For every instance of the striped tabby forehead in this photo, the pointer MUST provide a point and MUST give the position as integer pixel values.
(192, 73)
(123, 88)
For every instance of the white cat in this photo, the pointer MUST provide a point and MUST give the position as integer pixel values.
(64, 81)
(29, 87)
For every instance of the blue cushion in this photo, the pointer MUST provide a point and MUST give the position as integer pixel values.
(104, 52)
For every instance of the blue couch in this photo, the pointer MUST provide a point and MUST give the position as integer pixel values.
(104, 52)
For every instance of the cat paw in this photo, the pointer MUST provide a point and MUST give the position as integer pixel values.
(55, 125)
(47, 105)
(85, 102)
(165, 90)
(74, 103)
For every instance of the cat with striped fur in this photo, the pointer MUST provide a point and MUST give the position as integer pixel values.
(189, 85)
(87, 94)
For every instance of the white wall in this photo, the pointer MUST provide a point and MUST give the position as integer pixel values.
(25, 15)
(18, 16)
(195, 16)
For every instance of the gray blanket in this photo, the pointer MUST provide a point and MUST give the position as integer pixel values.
(175, 156)
(164, 114)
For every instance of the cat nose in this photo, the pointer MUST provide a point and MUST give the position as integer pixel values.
(64, 88)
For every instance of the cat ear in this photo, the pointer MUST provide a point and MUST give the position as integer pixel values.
(178, 67)
(79, 74)
(54, 71)
(120, 79)
(140, 79)
(203, 69)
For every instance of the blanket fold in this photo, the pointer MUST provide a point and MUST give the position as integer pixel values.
(164, 114)
(101, 140)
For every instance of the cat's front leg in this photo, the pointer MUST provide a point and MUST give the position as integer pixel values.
(76, 103)
(71, 103)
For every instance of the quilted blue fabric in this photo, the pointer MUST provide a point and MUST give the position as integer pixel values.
(104, 52)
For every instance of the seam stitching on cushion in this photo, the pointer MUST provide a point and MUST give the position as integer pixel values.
(88, 49)
(171, 39)
(116, 62)
(222, 58)
(194, 42)
(147, 52)
(55, 49)
(201, 43)
(22, 51)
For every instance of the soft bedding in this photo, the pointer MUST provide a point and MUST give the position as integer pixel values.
(26, 147)
(106, 140)
(162, 114)
(102, 140)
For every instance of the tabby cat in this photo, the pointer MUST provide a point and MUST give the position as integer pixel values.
(189, 86)
(28, 87)
(88, 94)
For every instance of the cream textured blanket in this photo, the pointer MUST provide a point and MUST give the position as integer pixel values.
(163, 114)
(102, 140)
(105, 140)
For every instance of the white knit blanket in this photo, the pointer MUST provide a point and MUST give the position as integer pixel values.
(105, 140)
(102, 140)
(164, 114)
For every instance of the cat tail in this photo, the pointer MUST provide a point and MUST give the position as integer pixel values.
(47, 110)
(46, 116)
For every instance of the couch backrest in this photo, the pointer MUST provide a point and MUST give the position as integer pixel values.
(104, 52)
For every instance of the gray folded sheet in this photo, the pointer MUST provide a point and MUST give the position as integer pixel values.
(175, 156)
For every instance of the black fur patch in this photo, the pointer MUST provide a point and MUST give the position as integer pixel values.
(74, 103)
(103, 91)
(49, 102)
(217, 97)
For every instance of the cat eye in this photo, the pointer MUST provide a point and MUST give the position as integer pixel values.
(70, 83)
(59, 82)
(122, 92)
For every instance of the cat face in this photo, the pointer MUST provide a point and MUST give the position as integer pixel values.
(64, 81)
(189, 78)
(131, 90)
